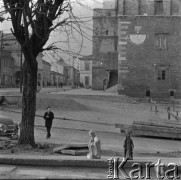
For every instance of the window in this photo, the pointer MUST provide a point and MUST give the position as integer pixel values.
(107, 32)
(6, 64)
(9, 62)
(171, 93)
(161, 41)
(3, 79)
(147, 93)
(87, 67)
(159, 7)
(86, 80)
(108, 13)
(161, 74)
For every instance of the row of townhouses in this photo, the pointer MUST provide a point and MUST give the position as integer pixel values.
(49, 74)
(137, 47)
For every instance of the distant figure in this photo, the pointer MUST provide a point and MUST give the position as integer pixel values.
(48, 116)
(94, 146)
(61, 84)
(168, 111)
(18, 129)
(128, 147)
(2, 99)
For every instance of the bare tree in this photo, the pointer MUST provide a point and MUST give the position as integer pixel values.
(32, 22)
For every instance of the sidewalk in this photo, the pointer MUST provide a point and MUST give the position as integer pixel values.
(76, 161)
(61, 160)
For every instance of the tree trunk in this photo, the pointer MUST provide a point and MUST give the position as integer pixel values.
(30, 68)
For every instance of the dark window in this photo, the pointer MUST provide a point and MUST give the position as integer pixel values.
(86, 80)
(159, 7)
(171, 93)
(147, 93)
(161, 41)
(109, 14)
(6, 62)
(161, 74)
(107, 32)
(3, 79)
(87, 67)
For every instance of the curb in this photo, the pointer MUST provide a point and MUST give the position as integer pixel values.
(64, 161)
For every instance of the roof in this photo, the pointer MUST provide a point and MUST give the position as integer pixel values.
(86, 58)
(62, 62)
(44, 61)
(54, 72)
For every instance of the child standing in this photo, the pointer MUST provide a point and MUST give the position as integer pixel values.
(128, 147)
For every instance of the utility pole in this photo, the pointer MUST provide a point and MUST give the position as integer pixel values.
(21, 73)
(1, 63)
(73, 85)
(1, 49)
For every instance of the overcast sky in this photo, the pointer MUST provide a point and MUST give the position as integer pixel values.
(76, 39)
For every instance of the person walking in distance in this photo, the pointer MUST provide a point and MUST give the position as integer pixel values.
(48, 116)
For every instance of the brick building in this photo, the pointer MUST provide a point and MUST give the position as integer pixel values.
(105, 54)
(148, 45)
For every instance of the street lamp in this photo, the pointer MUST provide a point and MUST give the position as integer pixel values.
(73, 82)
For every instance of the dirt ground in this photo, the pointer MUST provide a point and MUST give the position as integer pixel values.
(75, 115)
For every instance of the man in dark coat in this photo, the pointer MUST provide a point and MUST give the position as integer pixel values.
(48, 116)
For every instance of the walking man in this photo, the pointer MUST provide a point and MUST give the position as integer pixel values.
(48, 116)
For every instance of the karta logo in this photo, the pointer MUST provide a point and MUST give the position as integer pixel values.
(135, 170)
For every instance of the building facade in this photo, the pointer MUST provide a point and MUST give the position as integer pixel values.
(46, 73)
(85, 69)
(12, 47)
(7, 67)
(56, 78)
(73, 76)
(66, 75)
(105, 54)
(148, 46)
(40, 69)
